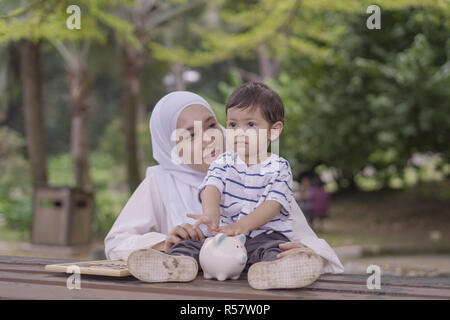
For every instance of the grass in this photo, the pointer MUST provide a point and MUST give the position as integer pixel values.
(13, 235)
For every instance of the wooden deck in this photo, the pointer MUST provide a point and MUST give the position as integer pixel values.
(25, 278)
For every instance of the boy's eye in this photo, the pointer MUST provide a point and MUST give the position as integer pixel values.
(212, 125)
(251, 124)
(232, 124)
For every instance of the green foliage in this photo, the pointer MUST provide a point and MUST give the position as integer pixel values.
(112, 143)
(15, 181)
(110, 195)
(104, 171)
(383, 98)
(225, 90)
(60, 172)
(37, 20)
(108, 204)
(14, 178)
(17, 213)
(239, 28)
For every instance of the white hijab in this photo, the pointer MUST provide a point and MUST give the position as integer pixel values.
(177, 182)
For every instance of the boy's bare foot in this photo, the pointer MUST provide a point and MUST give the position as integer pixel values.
(298, 269)
(150, 265)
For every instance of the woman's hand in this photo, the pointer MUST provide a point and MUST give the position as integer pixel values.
(287, 246)
(183, 232)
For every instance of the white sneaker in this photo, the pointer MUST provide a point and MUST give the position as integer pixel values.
(298, 269)
(150, 265)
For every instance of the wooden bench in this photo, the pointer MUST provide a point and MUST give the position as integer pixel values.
(25, 278)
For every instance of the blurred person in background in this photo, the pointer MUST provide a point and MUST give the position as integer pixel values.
(314, 201)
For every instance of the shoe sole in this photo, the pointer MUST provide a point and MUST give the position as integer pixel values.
(296, 270)
(150, 265)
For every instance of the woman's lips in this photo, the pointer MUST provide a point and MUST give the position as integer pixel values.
(209, 155)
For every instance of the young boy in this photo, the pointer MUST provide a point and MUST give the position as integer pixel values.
(249, 191)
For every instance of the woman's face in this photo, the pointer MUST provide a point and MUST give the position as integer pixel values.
(199, 140)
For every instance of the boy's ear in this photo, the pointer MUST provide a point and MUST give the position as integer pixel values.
(275, 130)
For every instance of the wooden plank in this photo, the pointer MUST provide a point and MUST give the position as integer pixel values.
(188, 290)
(417, 282)
(31, 271)
(19, 290)
(394, 291)
(302, 293)
(358, 288)
(191, 290)
(354, 278)
(333, 286)
(31, 260)
(237, 289)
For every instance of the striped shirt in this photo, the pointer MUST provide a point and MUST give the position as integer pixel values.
(244, 187)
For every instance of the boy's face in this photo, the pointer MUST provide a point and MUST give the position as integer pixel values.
(249, 134)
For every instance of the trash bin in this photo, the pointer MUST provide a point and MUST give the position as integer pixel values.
(62, 216)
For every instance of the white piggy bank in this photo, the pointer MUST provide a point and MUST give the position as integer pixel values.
(223, 257)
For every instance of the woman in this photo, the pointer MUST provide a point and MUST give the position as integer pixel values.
(155, 215)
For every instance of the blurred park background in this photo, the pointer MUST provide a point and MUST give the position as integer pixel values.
(368, 110)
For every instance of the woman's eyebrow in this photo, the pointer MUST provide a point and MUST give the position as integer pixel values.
(209, 118)
(206, 120)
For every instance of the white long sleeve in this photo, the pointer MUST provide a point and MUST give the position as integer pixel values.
(141, 224)
(306, 236)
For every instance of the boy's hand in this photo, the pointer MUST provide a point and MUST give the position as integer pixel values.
(234, 229)
(211, 223)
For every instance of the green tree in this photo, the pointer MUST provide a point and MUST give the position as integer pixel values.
(383, 97)
(146, 18)
(36, 21)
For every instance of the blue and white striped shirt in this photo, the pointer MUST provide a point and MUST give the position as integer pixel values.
(244, 187)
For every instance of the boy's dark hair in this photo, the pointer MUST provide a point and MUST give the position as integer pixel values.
(258, 95)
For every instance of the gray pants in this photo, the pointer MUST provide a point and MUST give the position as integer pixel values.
(263, 247)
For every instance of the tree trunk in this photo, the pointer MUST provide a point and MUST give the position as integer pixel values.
(170, 36)
(177, 71)
(12, 115)
(268, 68)
(79, 94)
(33, 112)
(132, 64)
